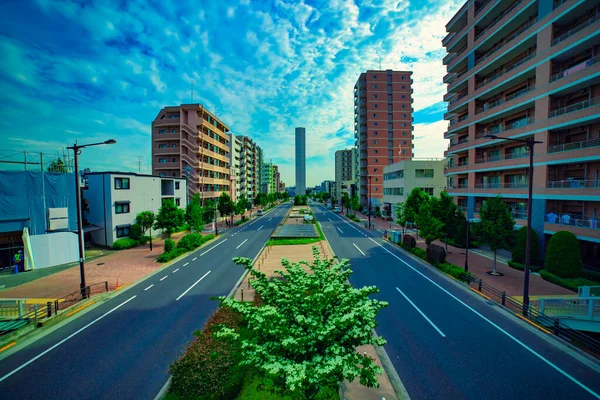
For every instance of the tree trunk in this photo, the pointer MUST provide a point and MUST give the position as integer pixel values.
(150, 239)
(495, 262)
(446, 244)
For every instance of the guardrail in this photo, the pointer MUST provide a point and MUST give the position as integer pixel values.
(583, 307)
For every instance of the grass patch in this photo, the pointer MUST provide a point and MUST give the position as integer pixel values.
(251, 391)
(567, 283)
(321, 236)
(291, 241)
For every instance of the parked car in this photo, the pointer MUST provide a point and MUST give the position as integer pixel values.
(259, 213)
(329, 206)
(337, 210)
(308, 218)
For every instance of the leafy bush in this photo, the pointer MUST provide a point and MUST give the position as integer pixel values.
(124, 243)
(591, 275)
(521, 267)
(135, 232)
(209, 368)
(409, 242)
(244, 218)
(436, 254)
(453, 270)
(144, 239)
(419, 253)
(518, 252)
(571, 284)
(190, 241)
(169, 245)
(563, 257)
(164, 257)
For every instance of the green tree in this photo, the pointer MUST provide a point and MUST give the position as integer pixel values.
(430, 227)
(518, 252)
(169, 217)
(58, 166)
(444, 210)
(194, 213)
(413, 202)
(355, 203)
(242, 205)
(208, 211)
(401, 216)
(346, 201)
(225, 205)
(145, 220)
(563, 255)
(496, 226)
(306, 332)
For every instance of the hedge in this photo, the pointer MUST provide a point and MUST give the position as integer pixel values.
(571, 284)
(454, 271)
(521, 267)
(563, 256)
(125, 243)
(169, 245)
(591, 275)
(164, 257)
(209, 368)
(518, 251)
(193, 241)
(419, 253)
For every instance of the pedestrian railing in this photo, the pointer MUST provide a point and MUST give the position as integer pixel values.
(533, 313)
(578, 307)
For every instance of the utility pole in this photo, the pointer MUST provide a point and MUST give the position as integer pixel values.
(140, 163)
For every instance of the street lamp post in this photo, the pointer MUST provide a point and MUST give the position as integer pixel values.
(76, 151)
(467, 248)
(530, 144)
(369, 202)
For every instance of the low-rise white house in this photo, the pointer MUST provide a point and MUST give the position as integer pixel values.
(115, 198)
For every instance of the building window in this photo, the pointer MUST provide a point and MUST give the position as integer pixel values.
(375, 133)
(375, 189)
(161, 131)
(122, 183)
(162, 146)
(374, 105)
(374, 86)
(174, 116)
(376, 179)
(374, 96)
(429, 191)
(403, 105)
(424, 173)
(376, 142)
(123, 230)
(403, 151)
(375, 160)
(376, 151)
(176, 185)
(162, 160)
(178, 201)
(173, 159)
(403, 124)
(375, 115)
(174, 146)
(403, 87)
(374, 76)
(376, 170)
(393, 175)
(403, 115)
(403, 133)
(122, 208)
(161, 174)
(404, 142)
(403, 96)
(403, 78)
(173, 130)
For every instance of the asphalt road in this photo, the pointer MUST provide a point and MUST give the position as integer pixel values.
(444, 342)
(123, 348)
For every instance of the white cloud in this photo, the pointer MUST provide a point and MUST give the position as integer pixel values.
(230, 12)
(429, 140)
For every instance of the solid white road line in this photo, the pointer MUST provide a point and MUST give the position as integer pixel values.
(241, 244)
(185, 264)
(175, 270)
(361, 252)
(550, 363)
(148, 287)
(65, 339)
(164, 277)
(260, 228)
(190, 288)
(218, 244)
(422, 313)
(340, 230)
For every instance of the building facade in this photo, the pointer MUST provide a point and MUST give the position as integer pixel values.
(115, 198)
(300, 161)
(401, 178)
(267, 178)
(235, 154)
(382, 127)
(344, 172)
(189, 140)
(527, 70)
(250, 160)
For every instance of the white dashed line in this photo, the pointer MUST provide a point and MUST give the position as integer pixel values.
(190, 288)
(164, 277)
(260, 228)
(194, 259)
(218, 244)
(148, 287)
(186, 264)
(340, 230)
(175, 270)
(241, 244)
(361, 252)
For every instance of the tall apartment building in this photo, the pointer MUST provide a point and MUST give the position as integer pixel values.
(276, 179)
(382, 127)
(300, 161)
(527, 70)
(267, 178)
(191, 137)
(344, 172)
(249, 178)
(235, 153)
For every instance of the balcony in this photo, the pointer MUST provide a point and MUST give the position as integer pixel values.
(588, 63)
(494, 130)
(505, 70)
(501, 157)
(500, 101)
(497, 19)
(574, 146)
(574, 107)
(166, 150)
(482, 7)
(457, 98)
(499, 45)
(573, 184)
(167, 165)
(457, 57)
(577, 28)
(494, 185)
(460, 141)
(571, 220)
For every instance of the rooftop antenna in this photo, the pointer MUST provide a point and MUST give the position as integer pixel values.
(140, 163)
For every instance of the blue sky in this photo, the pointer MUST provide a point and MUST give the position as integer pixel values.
(93, 70)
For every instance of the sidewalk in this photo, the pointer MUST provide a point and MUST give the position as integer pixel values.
(481, 261)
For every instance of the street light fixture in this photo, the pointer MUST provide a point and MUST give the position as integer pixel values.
(77, 150)
(530, 143)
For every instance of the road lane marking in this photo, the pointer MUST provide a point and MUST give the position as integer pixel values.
(195, 258)
(164, 277)
(269, 219)
(557, 368)
(329, 219)
(190, 288)
(218, 244)
(340, 230)
(185, 264)
(361, 252)
(175, 270)
(422, 313)
(65, 339)
(148, 287)
(241, 244)
(260, 228)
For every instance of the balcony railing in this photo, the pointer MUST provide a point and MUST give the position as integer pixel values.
(505, 70)
(498, 18)
(577, 220)
(459, 186)
(501, 157)
(516, 214)
(579, 27)
(498, 129)
(460, 141)
(573, 184)
(558, 3)
(574, 146)
(463, 117)
(493, 185)
(574, 107)
(496, 103)
(576, 68)
(481, 7)
(507, 39)
(457, 98)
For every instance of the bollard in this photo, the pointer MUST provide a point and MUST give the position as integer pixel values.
(480, 282)
(106, 285)
(35, 312)
(49, 308)
(556, 327)
(55, 307)
(242, 295)
(503, 298)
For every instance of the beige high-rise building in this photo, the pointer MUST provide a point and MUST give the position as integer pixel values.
(344, 172)
(190, 137)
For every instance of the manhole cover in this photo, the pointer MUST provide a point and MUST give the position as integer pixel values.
(100, 264)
